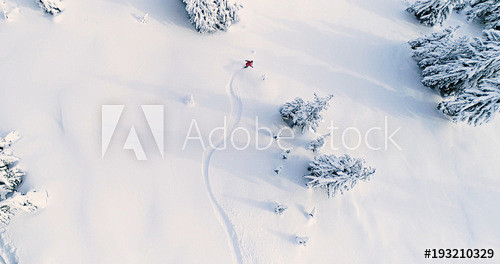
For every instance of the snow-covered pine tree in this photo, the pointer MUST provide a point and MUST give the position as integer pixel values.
(51, 6)
(10, 175)
(476, 105)
(486, 11)
(438, 48)
(337, 174)
(227, 13)
(432, 12)
(209, 16)
(455, 76)
(451, 65)
(25, 202)
(305, 115)
(10, 178)
(294, 110)
(318, 143)
(492, 34)
(203, 15)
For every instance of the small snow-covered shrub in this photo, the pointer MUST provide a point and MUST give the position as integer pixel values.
(208, 16)
(144, 19)
(51, 6)
(280, 209)
(305, 115)
(312, 213)
(476, 106)
(278, 170)
(189, 101)
(18, 202)
(8, 12)
(301, 241)
(11, 200)
(432, 12)
(337, 174)
(285, 153)
(486, 11)
(318, 143)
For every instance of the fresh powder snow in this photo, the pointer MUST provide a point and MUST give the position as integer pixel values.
(212, 199)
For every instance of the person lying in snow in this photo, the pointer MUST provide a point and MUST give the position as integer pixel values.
(248, 63)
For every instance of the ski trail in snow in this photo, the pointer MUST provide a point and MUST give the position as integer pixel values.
(7, 251)
(234, 120)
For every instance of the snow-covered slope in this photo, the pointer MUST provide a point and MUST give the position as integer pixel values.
(194, 206)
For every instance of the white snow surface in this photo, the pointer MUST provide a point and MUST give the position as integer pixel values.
(440, 191)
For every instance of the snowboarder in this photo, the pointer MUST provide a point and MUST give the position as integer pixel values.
(248, 63)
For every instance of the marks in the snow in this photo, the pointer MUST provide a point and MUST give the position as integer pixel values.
(234, 120)
(7, 251)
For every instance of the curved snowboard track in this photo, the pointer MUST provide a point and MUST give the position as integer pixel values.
(234, 120)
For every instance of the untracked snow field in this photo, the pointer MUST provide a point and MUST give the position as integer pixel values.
(437, 184)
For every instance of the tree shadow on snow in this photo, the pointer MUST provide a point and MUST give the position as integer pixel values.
(375, 71)
(168, 12)
(282, 235)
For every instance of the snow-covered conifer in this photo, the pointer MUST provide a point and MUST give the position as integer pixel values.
(492, 34)
(305, 115)
(7, 141)
(227, 13)
(10, 175)
(458, 75)
(318, 143)
(203, 15)
(486, 11)
(432, 12)
(451, 65)
(209, 16)
(435, 48)
(24, 202)
(476, 105)
(280, 209)
(10, 178)
(337, 174)
(51, 6)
